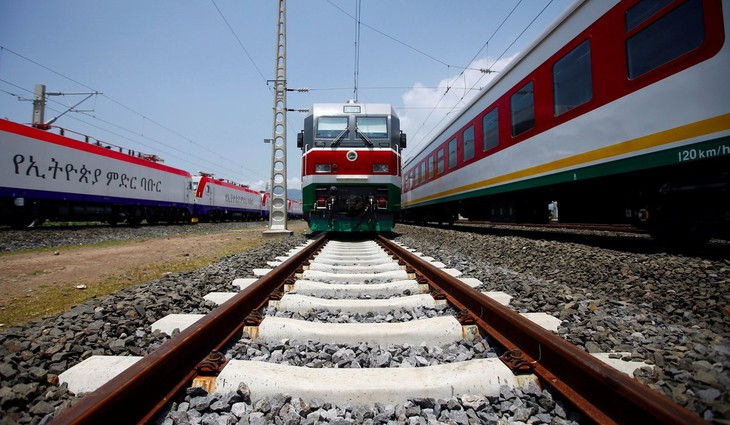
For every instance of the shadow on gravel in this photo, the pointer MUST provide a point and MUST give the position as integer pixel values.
(637, 244)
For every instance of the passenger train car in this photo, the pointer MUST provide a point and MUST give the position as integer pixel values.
(222, 200)
(51, 177)
(351, 175)
(619, 111)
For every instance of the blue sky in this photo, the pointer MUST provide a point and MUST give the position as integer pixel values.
(177, 83)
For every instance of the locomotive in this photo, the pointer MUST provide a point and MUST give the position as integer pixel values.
(619, 112)
(51, 177)
(351, 170)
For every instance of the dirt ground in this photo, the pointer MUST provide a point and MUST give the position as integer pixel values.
(36, 284)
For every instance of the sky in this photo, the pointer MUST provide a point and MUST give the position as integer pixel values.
(188, 80)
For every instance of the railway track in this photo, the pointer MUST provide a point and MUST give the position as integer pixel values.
(361, 280)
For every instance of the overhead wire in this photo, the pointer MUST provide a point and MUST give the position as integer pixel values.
(139, 114)
(288, 124)
(403, 43)
(493, 63)
(238, 40)
(121, 136)
(447, 89)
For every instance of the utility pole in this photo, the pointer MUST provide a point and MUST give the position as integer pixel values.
(39, 106)
(278, 215)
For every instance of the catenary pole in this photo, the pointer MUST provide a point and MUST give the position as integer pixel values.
(278, 196)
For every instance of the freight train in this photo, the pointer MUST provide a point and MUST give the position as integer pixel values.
(351, 169)
(51, 177)
(619, 112)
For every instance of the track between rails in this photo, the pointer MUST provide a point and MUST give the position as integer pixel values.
(601, 392)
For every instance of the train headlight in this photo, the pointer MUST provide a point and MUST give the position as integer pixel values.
(323, 168)
(380, 168)
(321, 202)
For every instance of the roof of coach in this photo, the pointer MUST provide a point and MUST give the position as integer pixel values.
(320, 109)
(502, 74)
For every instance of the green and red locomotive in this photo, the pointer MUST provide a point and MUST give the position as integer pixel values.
(351, 167)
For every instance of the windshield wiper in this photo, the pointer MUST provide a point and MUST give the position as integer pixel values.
(363, 137)
(339, 138)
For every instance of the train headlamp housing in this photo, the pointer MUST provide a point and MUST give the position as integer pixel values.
(321, 203)
(323, 168)
(380, 168)
(378, 202)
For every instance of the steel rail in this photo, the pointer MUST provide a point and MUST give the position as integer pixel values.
(601, 392)
(132, 395)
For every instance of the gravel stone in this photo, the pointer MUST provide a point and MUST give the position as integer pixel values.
(666, 309)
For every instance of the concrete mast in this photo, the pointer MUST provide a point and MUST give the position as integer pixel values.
(278, 211)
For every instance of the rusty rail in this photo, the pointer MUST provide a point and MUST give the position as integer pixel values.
(151, 382)
(604, 394)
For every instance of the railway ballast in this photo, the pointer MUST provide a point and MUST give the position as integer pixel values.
(665, 310)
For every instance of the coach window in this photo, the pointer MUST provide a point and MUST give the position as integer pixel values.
(490, 130)
(643, 11)
(331, 127)
(452, 153)
(522, 103)
(423, 171)
(667, 37)
(469, 143)
(440, 161)
(430, 167)
(572, 82)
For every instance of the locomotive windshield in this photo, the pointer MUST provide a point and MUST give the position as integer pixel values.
(331, 127)
(339, 129)
(373, 127)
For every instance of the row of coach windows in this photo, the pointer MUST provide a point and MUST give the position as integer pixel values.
(653, 39)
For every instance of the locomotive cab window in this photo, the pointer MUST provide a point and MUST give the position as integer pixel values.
(490, 130)
(373, 127)
(469, 143)
(522, 104)
(656, 40)
(572, 82)
(331, 127)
